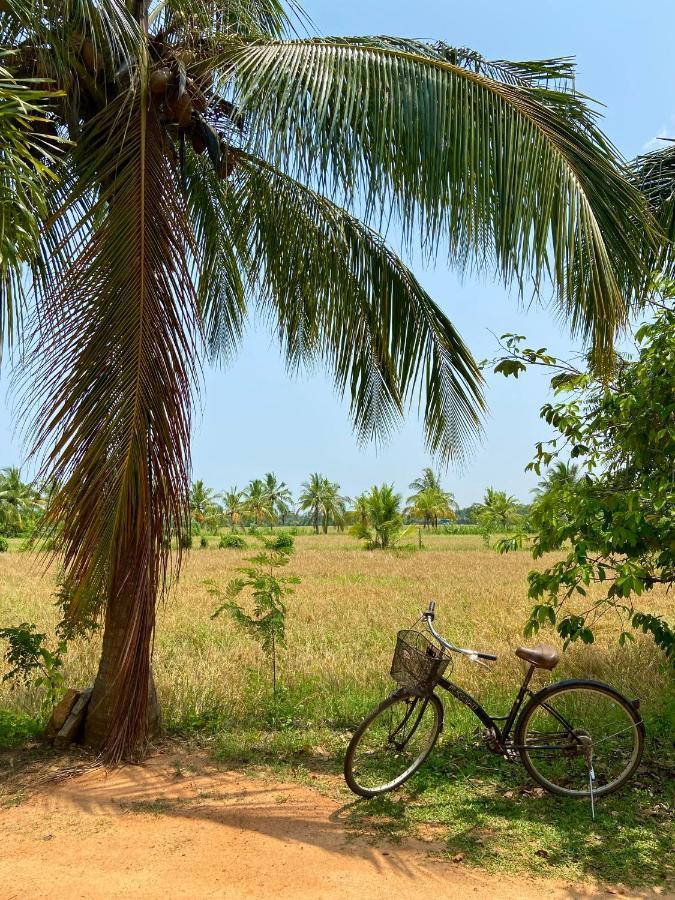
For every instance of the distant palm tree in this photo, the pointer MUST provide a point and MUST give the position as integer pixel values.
(202, 501)
(430, 502)
(560, 473)
(361, 510)
(209, 149)
(279, 495)
(311, 498)
(234, 503)
(383, 518)
(257, 502)
(498, 512)
(18, 500)
(428, 479)
(334, 505)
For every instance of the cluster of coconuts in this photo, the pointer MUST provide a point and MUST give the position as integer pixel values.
(182, 107)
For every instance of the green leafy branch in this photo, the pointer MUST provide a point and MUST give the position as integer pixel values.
(267, 621)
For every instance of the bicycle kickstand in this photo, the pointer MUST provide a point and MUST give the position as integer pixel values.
(591, 779)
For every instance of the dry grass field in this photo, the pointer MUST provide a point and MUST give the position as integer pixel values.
(215, 690)
(341, 626)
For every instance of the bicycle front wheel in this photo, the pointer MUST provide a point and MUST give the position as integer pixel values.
(392, 743)
(576, 728)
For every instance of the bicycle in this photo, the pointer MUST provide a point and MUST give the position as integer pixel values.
(576, 738)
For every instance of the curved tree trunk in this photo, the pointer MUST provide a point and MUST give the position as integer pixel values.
(113, 693)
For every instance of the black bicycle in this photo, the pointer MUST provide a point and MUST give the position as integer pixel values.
(576, 738)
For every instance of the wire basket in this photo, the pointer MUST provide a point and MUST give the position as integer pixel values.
(418, 663)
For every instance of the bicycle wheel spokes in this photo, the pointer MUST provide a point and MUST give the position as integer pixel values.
(575, 729)
(394, 744)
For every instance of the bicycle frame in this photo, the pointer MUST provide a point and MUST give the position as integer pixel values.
(501, 732)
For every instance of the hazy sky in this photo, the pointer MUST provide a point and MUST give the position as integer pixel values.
(252, 419)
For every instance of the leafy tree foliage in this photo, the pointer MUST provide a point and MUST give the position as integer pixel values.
(615, 521)
(267, 623)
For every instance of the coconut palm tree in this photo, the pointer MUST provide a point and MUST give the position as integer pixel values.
(214, 164)
(559, 474)
(278, 494)
(384, 522)
(431, 504)
(333, 506)
(430, 501)
(257, 502)
(202, 501)
(311, 498)
(18, 501)
(498, 512)
(234, 504)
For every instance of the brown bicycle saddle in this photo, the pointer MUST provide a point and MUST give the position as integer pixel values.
(542, 656)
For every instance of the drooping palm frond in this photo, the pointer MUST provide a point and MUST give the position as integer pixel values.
(510, 176)
(654, 174)
(114, 388)
(337, 294)
(222, 281)
(25, 153)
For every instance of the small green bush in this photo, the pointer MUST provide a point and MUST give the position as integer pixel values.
(253, 529)
(281, 541)
(232, 542)
(186, 542)
(203, 542)
(4, 545)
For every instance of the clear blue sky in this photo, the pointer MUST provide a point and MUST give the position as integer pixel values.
(254, 419)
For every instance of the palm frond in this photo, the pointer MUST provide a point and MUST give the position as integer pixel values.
(213, 21)
(654, 174)
(513, 177)
(221, 280)
(338, 294)
(26, 150)
(113, 388)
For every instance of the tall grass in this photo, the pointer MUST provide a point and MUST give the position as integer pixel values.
(341, 626)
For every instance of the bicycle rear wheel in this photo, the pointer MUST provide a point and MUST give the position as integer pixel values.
(572, 727)
(392, 743)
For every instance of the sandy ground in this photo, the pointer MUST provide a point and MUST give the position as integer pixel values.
(155, 831)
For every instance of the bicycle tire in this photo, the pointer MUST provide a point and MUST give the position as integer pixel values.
(558, 690)
(397, 697)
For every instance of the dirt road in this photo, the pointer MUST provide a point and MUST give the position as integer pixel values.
(175, 829)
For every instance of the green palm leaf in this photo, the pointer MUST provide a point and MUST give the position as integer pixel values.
(25, 152)
(655, 175)
(338, 294)
(512, 177)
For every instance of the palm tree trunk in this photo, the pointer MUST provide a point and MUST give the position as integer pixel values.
(113, 697)
(123, 713)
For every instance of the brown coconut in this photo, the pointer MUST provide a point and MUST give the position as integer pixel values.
(159, 80)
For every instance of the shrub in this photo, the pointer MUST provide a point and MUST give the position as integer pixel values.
(4, 545)
(253, 529)
(281, 541)
(186, 542)
(232, 542)
(203, 542)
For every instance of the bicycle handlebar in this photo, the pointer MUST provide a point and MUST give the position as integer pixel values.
(473, 654)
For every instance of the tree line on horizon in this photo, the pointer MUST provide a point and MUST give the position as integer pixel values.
(269, 502)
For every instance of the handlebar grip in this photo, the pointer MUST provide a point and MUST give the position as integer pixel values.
(486, 656)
